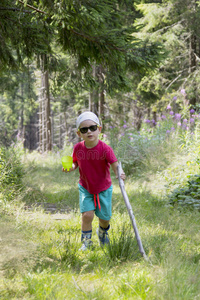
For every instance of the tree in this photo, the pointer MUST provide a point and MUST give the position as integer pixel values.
(175, 24)
(21, 35)
(17, 102)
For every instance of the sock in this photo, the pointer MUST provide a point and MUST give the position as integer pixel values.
(104, 229)
(86, 235)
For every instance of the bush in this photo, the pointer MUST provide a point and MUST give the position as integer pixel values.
(188, 196)
(145, 150)
(150, 148)
(184, 179)
(11, 169)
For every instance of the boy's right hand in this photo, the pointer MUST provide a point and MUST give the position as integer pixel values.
(66, 171)
(74, 166)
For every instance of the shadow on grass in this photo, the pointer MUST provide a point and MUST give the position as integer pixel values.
(63, 202)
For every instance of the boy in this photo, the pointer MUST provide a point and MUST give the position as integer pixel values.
(93, 157)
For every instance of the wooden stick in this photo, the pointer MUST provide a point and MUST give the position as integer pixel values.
(131, 215)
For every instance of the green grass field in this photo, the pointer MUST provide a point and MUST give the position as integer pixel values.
(39, 251)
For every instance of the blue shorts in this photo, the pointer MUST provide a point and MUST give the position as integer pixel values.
(87, 202)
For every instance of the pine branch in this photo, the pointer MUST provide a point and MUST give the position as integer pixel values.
(91, 39)
(32, 7)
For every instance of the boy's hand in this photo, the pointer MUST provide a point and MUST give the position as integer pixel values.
(74, 166)
(122, 176)
(66, 171)
(114, 167)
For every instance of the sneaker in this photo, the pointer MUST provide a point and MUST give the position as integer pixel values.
(103, 236)
(87, 244)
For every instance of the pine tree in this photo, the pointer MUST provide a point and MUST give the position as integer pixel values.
(175, 24)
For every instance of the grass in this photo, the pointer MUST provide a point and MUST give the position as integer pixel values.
(44, 261)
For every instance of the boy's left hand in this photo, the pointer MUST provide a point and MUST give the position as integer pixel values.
(122, 176)
(114, 167)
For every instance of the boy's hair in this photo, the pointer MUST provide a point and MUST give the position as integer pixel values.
(87, 115)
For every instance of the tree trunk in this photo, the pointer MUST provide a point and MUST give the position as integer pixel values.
(192, 52)
(40, 121)
(101, 94)
(45, 133)
(192, 65)
(90, 101)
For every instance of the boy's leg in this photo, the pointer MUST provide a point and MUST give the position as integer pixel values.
(86, 234)
(104, 223)
(86, 202)
(104, 215)
(87, 218)
(102, 232)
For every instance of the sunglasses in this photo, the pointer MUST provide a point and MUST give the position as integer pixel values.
(85, 129)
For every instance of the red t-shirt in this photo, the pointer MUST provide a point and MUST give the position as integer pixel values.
(94, 166)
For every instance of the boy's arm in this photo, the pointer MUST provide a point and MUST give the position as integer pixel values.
(114, 167)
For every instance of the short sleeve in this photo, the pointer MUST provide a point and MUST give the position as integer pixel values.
(110, 155)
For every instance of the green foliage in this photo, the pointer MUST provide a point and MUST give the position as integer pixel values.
(138, 150)
(150, 147)
(187, 196)
(168, 22)
(17, 102)
(21, 34)
(182, 179)
(11, 170)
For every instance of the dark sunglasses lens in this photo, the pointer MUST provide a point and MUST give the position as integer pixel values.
(85, 129)
(93, 128)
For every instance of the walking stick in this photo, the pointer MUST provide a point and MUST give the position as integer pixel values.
(129, 208)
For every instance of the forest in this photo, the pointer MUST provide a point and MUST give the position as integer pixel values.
(124, 60)
(135, 64)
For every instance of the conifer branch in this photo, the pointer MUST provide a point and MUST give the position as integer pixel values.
(32, 7)
(91, 39)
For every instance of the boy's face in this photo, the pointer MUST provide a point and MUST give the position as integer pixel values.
(90, 137)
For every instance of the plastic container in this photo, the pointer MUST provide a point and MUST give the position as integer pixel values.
(67, 162)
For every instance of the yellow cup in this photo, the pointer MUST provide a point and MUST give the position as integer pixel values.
(67, 162)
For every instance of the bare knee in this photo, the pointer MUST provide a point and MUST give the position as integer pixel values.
(104, 223)
(88, 216)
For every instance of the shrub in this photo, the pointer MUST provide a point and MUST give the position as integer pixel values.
(150, 148)
(11, 169)
(188, 196)
(184, 180)
(145, 149)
